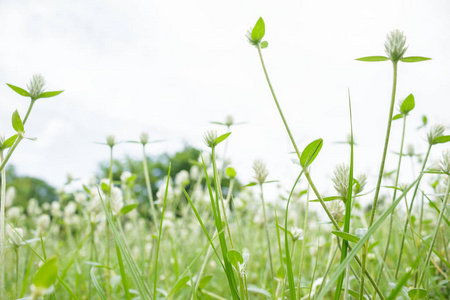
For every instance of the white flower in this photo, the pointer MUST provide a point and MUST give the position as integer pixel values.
(436, 131)
(162, 190)
(42, 222)
(116, 200)
(55, 210)
(297, 233)
(33, 207)
(445, 162)
(14, 213)
(10, 196)
(15, 235)
(182, 178)
(260, 169)
(36, 86)
(209, 138)
(70, 209)
(360, 232)
(80, 198)
(195, 172)
(340, 179)
(124, 177)
(395, 45)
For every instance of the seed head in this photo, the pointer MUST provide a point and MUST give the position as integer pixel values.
(395, 45)
(340, 178)
(337, 209)
(445, 162)
(111, 140)
(144, 138)
(36, 86)
(261, 172)
(436, 131)
(209, 138)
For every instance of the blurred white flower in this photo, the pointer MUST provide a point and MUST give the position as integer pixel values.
(297, 233)
(15, 235)
(42, 222)
(70, 209)
(10, 196)
(55, 210)
(13, 214)
(195, 172)
(33, 207)
(125, 176)
(243, 266)
(360, 232)
(116, 200)
(80, 198)
(182, 178)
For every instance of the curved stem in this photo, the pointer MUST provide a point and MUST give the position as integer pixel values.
(272, 273)
(28, 112)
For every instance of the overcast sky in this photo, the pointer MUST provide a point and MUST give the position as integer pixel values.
(171, 67)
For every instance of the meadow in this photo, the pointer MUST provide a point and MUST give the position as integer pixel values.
(202, 234)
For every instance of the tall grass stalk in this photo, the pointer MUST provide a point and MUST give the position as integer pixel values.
(2, 230)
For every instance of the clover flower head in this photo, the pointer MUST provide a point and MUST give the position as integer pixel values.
(36, 86)
(436, 131)
(445, 162)
(261, 172)
(144, 138)
(111, 140)
(229, 120)
(297, 234)
(337, 210)
(340, 179)
(209, 138)
(395, 45)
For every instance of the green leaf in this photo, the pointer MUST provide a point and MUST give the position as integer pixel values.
(204, 281)
(281, 272)
(127, 208)
(412, 59)
(310, 153)
(346, 236)
(250, 184)
(407, 105)
(442, 139)
(9, 142)
(86, 189)
(259, 30)
(17, 122)
(19, 90)
(231, 173)
(355, 294)
(179, 284)
(50, 94)
(373, 58)
(416, 294)
(264, 44)
(235, 257)
(221, 138)
(46, 275)
(331, 198)
(397, 116)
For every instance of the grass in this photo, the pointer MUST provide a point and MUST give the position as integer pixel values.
(204, 236)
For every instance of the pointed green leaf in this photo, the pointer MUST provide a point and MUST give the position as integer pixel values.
(259, 30)
(373, 58)
(9, 142)
(179, 284)
(127, 208)
(250, 184)
(221, 138)
(407, 105)
(235, 257)
(397, 116)
(46, 275)
(416, 294)
(346, 236)
(204, 281)
(412, 59)
(17, 122)
(264, 44)
(86, 189)
(19, 90)
(442, 139)
(50, 94)
(310, 153)
(355, 294)
(331, 198)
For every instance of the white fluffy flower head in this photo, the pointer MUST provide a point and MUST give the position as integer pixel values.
(36, 86)
(395, 45)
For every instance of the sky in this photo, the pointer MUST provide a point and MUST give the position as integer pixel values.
(170, 67)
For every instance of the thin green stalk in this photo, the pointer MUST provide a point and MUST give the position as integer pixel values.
(10, 151)
(391, 217)
(399, 259)
(160, 232)
(148, 185)
(2, 231)
(108, 211)
(272, 273)
(28, 112)
(435, 234)
(302, 251)
(16, 250)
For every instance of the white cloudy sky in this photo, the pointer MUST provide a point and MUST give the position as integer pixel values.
(170, 67)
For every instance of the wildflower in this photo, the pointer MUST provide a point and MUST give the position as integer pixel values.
(15, 235)
(360, 232)
(36, 86)
(243, 266)
(362, 180)
(80, 198)
(33, 207)
(195, 172)
(2, 140)
(336, 209)
(125, 176)
(209, 137)
(14, 214)
(395, 45)
(261, 172)
(297, 234)
(10, 196)
(43, 222)
(55, 210)
(341, 178)
(229, 120)
(436, 131)
(182, 178)
(111, 140)
(445, 162)
(116, 200)
(70, 209)
(144, 138)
